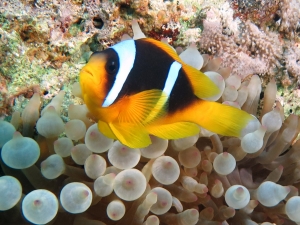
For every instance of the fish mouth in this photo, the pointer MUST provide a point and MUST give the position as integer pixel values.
(87, 72)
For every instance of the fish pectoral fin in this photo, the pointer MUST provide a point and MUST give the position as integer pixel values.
(105, 129)
(203, 87)
(174, 130)
(131, 135)
(142, 107)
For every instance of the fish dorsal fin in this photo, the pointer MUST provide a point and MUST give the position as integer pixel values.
(174, 130)
(203, 87)
(131, 135)
(166, 48)
(143, 107)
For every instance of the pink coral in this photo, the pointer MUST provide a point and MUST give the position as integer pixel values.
(290, 17)
(246, 49)
(292, 59)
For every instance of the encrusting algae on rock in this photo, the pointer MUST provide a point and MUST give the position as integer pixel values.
(201, 179)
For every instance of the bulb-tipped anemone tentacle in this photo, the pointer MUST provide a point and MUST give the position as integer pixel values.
(292, 208)
(30, 115)
(237, 196)
(163, 203)
(190, 157)
(40, 206)
(50, 125)
(103, 185)
(6, 132)
(156, 149)
(63, 146)
(96, 141)
(94, 166)
(224, 163)
(75, 129)
(270, 194)
(122, 156)
(20, 152)
(165, 170)
(115, 210)
(80, 153)
(192, 57)
(129, 184)
(76, 197)
(10, 192)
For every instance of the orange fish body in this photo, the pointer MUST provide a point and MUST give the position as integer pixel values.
(141, 87)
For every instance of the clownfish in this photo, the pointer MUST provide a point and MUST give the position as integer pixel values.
(141, 87)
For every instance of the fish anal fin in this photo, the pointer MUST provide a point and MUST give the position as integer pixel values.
(131, 135)
(142, 107)
(174, 130)
(203, 87)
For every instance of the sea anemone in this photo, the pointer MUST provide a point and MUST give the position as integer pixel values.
(202, 179)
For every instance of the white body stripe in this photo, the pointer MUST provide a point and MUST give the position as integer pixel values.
(169, 84)
(126, 51)
(172, 77)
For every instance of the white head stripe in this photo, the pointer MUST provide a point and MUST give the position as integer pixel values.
(172, 77)
(126, 52)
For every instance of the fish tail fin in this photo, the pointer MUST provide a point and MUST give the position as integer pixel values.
(218, 118)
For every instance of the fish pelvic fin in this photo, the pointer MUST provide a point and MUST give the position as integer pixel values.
(131, 135)
(105, 129)
(218, 118)
(203, 87)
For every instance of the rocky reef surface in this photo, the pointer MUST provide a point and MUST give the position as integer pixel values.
(43, 44)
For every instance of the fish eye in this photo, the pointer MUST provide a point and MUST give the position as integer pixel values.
(111, 66)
